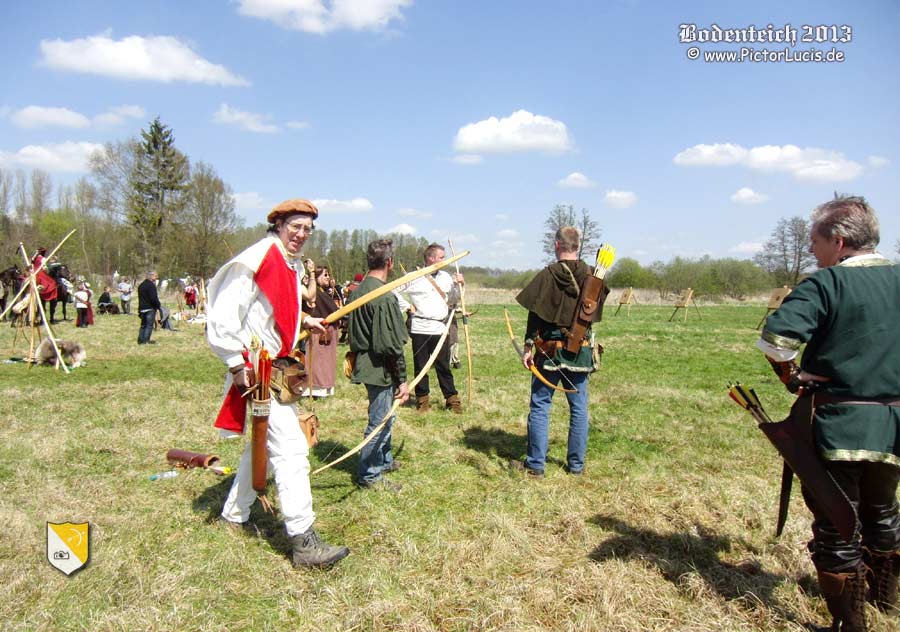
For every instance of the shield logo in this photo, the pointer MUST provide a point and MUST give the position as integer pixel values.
(68, 545)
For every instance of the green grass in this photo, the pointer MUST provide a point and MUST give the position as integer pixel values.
(670, 528)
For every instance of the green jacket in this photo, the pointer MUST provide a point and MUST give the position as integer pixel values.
(848, 317)
(377, 335)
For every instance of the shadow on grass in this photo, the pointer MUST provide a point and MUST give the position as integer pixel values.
(680, 554)
(506, 446)
(494, 442)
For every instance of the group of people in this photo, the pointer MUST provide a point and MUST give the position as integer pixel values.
(845, 314)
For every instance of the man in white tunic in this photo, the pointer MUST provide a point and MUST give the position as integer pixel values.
(429, 297)
(257, 295)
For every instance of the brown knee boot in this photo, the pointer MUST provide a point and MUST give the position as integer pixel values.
(882, 575)
(454, 405)
(422, 404)
(845, 594)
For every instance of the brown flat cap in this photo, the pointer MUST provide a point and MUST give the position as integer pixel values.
(292, 207)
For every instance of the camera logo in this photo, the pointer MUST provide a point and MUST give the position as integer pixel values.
(68, 545)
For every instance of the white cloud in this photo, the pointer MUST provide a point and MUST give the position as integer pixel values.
(413, 212)
(810, 163)
(356, 205)
(315, 16)
(67, 157)
(119, 115)
(520, 131)
(402, 229)
(508, 233)
(156, 58)
(747, 248)
(247, 121)
(467, 159)
(250, 201)
(620, 199)
(460, 240)
(576, 180)
(746, 195)
(502, 216)
(34, 116)
(877, 162)
(719, 155)
(297, 124)
(39, 116)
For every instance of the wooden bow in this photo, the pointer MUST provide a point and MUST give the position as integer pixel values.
(534, 369)
(465, 319)
(353, 305)
(396, 405)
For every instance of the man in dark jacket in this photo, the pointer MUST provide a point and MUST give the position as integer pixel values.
(377, 335)
(846, 314)
(148, 305)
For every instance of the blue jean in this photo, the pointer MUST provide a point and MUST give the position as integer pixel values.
(375, 457)
(539, 420)
(148, 319)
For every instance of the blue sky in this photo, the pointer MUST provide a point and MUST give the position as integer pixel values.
(471, 120)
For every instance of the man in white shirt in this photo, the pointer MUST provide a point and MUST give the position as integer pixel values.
(256, 295)
(427, 304)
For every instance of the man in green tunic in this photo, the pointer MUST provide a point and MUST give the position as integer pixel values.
(847, 314)
(377, 335)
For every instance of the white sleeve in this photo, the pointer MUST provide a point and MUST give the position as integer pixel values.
(404, 304)
(776, 353)
(227, 311)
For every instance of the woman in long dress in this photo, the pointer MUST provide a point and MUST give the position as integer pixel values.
(323, 346)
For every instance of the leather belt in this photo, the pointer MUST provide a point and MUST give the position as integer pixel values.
(824, 398)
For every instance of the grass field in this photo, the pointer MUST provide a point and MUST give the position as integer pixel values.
(670, 528)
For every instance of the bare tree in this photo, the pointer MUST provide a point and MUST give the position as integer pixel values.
(208, 215)
(786, 254)
(6, 188)
(563, 215)
(113, 167)
(20, 196)
(41, 192)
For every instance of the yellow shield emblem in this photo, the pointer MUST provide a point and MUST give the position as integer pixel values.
(68, 545)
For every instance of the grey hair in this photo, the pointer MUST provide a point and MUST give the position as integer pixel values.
(379, 253)
(569, 238)
(849, 217)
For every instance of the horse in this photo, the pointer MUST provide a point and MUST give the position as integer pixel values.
(10, 284)
(59, 271)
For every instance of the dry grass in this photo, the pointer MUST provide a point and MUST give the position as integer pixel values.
(669, 529)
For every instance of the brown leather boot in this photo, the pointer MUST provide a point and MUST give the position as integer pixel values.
(882, 576)
(454, 405)
(845, 595)
(422, 404)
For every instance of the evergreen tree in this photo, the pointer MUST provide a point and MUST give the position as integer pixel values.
(159, 180)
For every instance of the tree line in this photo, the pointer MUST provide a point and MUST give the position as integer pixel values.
(146, 206)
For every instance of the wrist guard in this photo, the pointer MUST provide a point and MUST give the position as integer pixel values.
(789, 374)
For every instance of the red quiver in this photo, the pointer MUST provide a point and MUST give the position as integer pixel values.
(588, 302)
(189, 460)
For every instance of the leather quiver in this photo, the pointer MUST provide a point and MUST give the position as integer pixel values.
(588, 302)
(259, 453)
(189, 460)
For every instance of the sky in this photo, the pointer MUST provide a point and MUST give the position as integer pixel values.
(472, 120)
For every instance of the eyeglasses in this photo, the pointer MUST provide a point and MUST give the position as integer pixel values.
(300, 228)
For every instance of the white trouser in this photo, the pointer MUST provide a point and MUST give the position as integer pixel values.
(289, 460)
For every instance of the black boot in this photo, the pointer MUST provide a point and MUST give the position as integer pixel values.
(310, 550)
(845, 594)
(883, 572)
